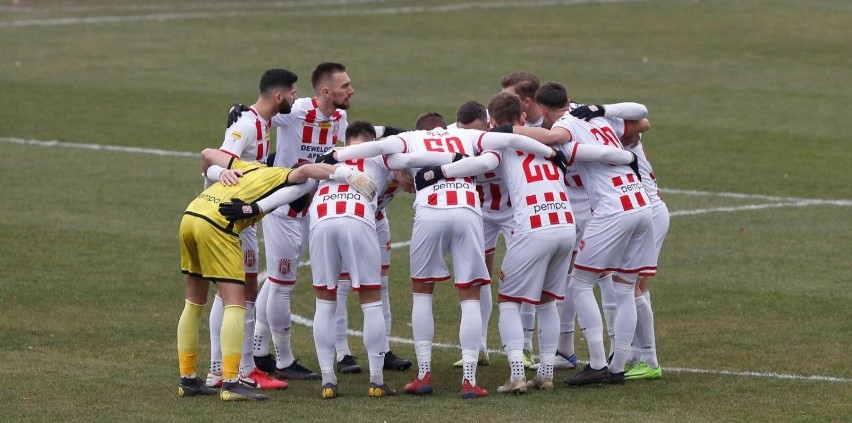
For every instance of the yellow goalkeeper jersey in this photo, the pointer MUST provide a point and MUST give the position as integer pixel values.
(258, 182)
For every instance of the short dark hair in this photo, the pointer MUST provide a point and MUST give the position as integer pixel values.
(430, 120)
(325, 70)
(275, 78)
(552, 95)
(525, 84)
(360, 127)
(505, 108)
(469, 112)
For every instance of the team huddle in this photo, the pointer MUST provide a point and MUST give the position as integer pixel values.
(568, 186)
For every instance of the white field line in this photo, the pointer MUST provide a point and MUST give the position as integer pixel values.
(788, 202)
(137, 150)
(312, 11)
(295, 318)
(782, 201)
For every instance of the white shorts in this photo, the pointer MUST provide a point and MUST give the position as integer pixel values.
(251, 252)
(582, 210)
(457, 230)
(622, 243)
(283, 238)
(537, 264)
(495, 222)
(383, 235)
(661, 228)
(349, 241)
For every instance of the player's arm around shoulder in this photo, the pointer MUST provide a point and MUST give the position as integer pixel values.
(318, 171)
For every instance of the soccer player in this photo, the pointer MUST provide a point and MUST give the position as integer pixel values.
(248, 140)
(343, 232)
(524, 85)
(617, 238)
(648, 366)
(473, 115)
(539, 251)
(314, 125)
(356, 133)
(211, 251)
(447, 219)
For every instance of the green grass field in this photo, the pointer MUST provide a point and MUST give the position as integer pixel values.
(749, 106)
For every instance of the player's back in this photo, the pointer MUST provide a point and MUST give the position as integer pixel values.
(449, 192)
(538, 191)
(335, 199)
(257, 182)
(612, 189)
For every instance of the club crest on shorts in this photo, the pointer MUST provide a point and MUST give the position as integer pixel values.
(582, 245)
(249, 258)
(284, 266)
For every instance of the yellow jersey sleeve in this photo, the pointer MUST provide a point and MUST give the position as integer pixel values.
(258, 182)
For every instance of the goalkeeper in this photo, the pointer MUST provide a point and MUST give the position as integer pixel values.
(210, 251)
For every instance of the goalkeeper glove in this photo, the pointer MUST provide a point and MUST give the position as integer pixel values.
(360, 181)
(235, 112)
(237, 209)
(428, 176)
(588, 112)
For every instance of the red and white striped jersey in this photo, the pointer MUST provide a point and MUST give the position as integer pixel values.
(649, 180)
(538, 188)
(449, 192)
(335, 199)
(246, 139)
(611, 189)
(493, 193)
(305, 133)
(391, 188)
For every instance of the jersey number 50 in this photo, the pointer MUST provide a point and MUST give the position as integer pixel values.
(448, 145)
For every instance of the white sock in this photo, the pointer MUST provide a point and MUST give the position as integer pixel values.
(374, 339)
(645, 332)
(486, 303)
(278, 309)
(566, 322)
(528, 321)
(261, 323)
(341, 317)
(608, 303)
(512, 336)
(247, 358)
(625, 325)
(548, 335)
(470, 335)
(324, 337)
(589, 316)
(423, 330)
(386, 311)
(216, 313)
